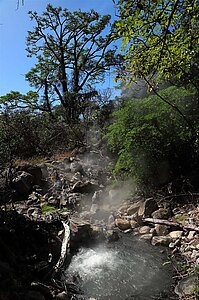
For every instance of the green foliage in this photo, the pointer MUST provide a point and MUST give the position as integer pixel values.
(153, 141)
(160, 39)
(46, 208)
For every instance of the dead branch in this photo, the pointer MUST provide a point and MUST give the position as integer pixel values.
(170, 223)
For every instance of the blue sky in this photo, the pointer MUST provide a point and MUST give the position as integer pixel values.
(14, 25)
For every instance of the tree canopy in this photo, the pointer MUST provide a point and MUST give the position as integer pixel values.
(160, 39)
(73, 53)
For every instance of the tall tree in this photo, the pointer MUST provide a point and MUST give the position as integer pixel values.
(160, 39)
(73, 53)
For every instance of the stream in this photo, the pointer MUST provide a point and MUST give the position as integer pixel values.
(129, 269)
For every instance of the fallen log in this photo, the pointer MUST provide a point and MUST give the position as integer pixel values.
(171, 223)
(64, 247)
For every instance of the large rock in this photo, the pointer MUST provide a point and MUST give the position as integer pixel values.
(146, 237)
(161, 213)
(80, 231)
(147, 208)
(187, 286)
(23, 182)
(122, 224)
(161, 240)
(144, 229)
(35, 171)
(176, 234)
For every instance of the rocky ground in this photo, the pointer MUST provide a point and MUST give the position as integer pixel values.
(75, 189)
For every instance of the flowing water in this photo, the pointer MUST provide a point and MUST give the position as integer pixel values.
(128, 269)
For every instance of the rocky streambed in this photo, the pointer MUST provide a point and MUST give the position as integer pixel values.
(73, 190)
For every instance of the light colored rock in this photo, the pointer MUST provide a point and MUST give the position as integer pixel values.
(176, 234)
(191, 235)
(147, 208)
(161, 229)
(147, 236)
(144, 230)
(122, 224)
(161, 240)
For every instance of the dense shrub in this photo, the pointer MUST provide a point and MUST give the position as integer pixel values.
(153, 142)
(24, 134)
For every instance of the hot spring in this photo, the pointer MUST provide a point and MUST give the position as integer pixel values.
(124, 270)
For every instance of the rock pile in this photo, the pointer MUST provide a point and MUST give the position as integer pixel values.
(74, 190)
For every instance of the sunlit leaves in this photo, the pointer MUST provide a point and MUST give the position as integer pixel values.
(160, 37)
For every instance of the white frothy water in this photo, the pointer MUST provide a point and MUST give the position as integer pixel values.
(91, 264)
(121, 271)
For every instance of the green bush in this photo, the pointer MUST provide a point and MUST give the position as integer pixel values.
(153, 142)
